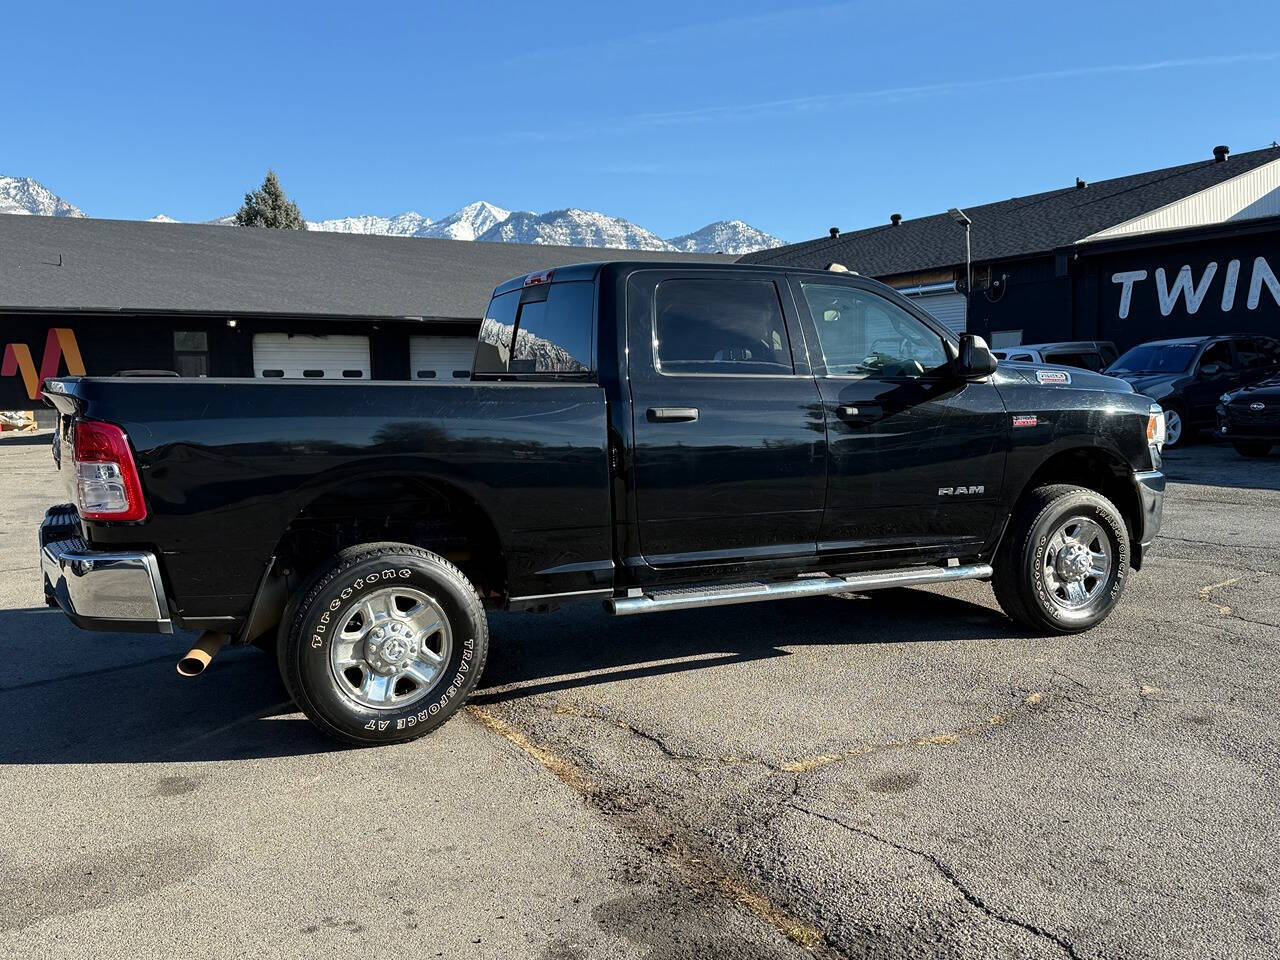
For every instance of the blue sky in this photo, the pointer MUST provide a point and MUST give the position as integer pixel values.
(794, 117)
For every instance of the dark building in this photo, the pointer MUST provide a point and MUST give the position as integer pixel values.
(1191, 249)
(105, 296)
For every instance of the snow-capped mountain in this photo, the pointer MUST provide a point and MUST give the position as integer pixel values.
(476, 221)
(725, 236)
(573, 228)
(467, 223)
(22, 195)
(407, 224)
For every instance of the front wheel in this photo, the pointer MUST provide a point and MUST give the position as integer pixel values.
(1176, 432)
(1064, 560)
(385, 645)
(1252, 449)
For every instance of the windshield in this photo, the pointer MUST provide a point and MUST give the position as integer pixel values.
(1156, 358)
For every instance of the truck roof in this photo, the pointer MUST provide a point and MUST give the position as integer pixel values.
(589, 270)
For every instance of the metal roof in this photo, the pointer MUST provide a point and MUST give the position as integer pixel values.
(62, 263)
(1017, 227)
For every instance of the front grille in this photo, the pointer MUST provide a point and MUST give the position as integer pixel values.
(1239, 414)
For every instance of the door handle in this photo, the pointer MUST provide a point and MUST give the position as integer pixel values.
(865, 411)
(672, 414)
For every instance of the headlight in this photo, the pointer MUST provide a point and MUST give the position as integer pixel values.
(1226, 398)
(1155, 427)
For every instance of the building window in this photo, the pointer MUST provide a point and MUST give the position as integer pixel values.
(191, 353)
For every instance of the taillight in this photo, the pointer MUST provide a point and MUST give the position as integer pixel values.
(107, 483)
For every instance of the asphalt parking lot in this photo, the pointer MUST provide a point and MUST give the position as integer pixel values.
(898, 775)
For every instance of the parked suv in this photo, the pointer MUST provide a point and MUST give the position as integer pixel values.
(1249, 419)
(1187, 376)
(1086, 354)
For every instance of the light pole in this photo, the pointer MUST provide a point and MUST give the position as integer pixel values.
(960, 217)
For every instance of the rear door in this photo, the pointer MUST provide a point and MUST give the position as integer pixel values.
(729, 444)
(916, 456)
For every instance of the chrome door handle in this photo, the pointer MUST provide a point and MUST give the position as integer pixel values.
(672, 414)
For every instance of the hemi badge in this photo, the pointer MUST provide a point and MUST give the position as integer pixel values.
(1021, 420)
(1053, 376)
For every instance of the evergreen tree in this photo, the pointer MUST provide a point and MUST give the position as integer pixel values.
(269, 207)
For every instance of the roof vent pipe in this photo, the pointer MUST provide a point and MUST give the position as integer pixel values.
(895, 218)
(834, 231)
(1220, 153)
(1081, 184)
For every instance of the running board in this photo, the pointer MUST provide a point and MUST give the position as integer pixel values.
(716, 595)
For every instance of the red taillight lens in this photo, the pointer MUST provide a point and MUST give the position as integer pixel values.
(107, 483)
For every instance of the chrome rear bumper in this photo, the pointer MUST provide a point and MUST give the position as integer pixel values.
(101, 590)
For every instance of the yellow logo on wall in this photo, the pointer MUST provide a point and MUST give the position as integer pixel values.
(61, 343)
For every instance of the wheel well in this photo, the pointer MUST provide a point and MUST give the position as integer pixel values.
(436, 516)
(1094, 469)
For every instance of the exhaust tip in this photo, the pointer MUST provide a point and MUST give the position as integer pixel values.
(201, 655)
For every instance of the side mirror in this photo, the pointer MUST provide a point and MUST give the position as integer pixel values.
(1211, 370)
(976, 359)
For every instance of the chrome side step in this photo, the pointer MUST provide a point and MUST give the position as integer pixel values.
(687, 598)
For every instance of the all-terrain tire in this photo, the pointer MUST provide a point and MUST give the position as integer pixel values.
(1021, 580)
(325, 606)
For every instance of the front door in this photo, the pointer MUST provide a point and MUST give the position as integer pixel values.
(729, 446)
(1215, 373)
(916, 455)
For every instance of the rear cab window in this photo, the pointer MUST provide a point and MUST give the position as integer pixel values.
(544, 332)
(1087, 361)
(720, 327)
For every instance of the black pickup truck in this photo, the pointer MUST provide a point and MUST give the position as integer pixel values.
(651, 436)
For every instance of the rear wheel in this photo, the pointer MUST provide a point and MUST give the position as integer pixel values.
(1252, 448)
(385, 644)
(1064, 560)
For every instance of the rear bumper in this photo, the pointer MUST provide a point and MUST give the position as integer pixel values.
(100, 590)
(1150, 487)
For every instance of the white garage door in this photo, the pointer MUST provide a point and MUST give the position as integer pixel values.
(302, 356)
(947, 307)
(441, 358)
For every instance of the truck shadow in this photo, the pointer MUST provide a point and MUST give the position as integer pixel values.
(582, 645)
(76, 697)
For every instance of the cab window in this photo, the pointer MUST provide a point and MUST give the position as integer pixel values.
(720, 327)
(863, 335)
(539, 331)
(1086, 361)
(1217, 358)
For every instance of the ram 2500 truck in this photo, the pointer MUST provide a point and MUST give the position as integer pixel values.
(651, 436)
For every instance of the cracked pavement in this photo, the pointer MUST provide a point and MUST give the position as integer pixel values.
(901, 774)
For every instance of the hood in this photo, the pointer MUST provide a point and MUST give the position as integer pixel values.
(1270, 389)
(1155, 385)
(1053, 375)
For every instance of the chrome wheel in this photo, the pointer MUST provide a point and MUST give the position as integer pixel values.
(392, 648)
(1172, 427)
(1077, 563)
